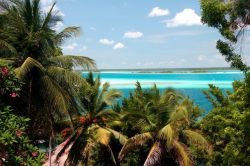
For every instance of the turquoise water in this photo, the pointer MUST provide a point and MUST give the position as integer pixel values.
(189, 84)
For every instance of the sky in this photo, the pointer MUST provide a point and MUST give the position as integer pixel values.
(125, 34)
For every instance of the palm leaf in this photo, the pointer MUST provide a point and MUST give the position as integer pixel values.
(5, 61)
(167, 134)
(67, 61)
(7, 47)
(155, 155)
(63, 148)
(131, 143)
(111, 96)
(117, 135)
(67, 33)
(195, 138)
(56, 97)
(28, 66)
(68, 78)
(182, 154)
(179, 114)
(80, 150)
(108, 113)
(102, 135)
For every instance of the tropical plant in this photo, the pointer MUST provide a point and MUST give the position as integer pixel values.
(227, 125)
(93, 134)
(231, 18)
(163, 121)
(29, 35)
(15, 146)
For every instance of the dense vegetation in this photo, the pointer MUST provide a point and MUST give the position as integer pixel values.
(232, 19)
(15, 146)
(42, 99)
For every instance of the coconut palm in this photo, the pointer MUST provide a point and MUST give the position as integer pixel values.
(32, 44)
(164, 122)
(93, 131)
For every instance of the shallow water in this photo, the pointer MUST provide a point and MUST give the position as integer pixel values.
(189, 84)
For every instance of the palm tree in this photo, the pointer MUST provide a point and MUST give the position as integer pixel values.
(93, 131)
(28, 39)
(162, 121)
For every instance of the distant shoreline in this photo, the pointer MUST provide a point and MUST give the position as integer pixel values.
(170, 70)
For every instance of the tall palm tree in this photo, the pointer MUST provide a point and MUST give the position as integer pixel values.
(30, 41)
(93, 131)
(162, 121)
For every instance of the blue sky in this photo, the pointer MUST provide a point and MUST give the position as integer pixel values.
(140, 33)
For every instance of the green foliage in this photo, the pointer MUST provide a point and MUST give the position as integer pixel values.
(231, 18)
(15, 146)
(29, 41)
(92, 142)
(9, 84)
(227, 125)
(164, 122)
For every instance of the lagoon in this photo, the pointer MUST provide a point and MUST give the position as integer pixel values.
(188, 83)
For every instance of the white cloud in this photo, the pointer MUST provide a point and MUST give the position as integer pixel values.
(71, 46)
(202, 58)
(118, 46)
(106, 41)
(187, 17)
(156, 12)
(133, 35)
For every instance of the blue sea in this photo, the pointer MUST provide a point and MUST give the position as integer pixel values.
(188, 83)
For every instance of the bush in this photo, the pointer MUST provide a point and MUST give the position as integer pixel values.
(15, 146)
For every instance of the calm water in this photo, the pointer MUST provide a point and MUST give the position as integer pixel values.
(189, 84)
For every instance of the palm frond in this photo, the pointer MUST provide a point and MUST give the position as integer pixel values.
(51, 18)
(171, 97)
(182, 154)
(196, 138)
(70, 61)
(102, 135)
(111, 96)
(67, 33)
(131, 143)
(139, 121)
(56, 97)
(6, 47)
(80, 150)
(117, 135)
(179, 114)
(108, 114)
(167, 134)
(28, 66)
(67, 78)
(155, 155)
(5, 61)
(116, 123)
(60, 154)
(72, 82)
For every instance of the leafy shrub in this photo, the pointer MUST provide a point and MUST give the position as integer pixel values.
(15, 146)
